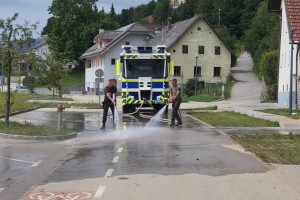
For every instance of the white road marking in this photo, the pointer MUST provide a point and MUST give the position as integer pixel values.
(17, 160)
(109, 173)
(120, 150)
(116, 159)
(100, 192)
(1, 189)
(36, 163)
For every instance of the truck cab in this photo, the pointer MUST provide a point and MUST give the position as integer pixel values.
(145, 74)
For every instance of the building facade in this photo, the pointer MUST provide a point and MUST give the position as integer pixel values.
(197, 50)
(289, 51)
(100, 59)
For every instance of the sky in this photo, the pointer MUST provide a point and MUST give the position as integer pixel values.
(37, 10)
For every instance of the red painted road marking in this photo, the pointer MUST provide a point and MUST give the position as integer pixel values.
(60, 196)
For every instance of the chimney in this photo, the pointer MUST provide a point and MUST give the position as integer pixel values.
(169, 23)
(101, 30)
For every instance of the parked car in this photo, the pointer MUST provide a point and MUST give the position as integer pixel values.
(22, 89)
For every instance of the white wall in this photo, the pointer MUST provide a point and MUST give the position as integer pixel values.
(105, 61)
(285, 62)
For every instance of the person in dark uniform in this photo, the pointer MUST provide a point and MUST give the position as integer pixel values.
(110, 92)
(175, 99)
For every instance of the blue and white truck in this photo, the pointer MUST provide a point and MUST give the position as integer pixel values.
(145, 74)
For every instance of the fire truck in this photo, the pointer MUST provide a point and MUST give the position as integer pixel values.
(145, 73)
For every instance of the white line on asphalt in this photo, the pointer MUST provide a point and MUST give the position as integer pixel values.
(1, 189)
(120, 150)
(99, 192)
(109, 173)
(116, 159)
(36, 163)
(17, 160)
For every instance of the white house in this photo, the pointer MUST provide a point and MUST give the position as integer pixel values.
(101, 58)
(197, 50)
(289, 58)
(37, 46)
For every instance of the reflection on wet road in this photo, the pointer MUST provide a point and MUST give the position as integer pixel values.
(92, 121)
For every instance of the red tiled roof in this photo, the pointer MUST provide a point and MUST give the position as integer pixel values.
(293, 10)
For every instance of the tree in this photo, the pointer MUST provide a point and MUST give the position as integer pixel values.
(161, 11)
(73, 27)
(55, 71)
(12, 35)
(112, 12)
(34, 78)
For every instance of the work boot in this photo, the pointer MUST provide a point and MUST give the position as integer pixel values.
(179, 124)
(102, 127)
(172, 125)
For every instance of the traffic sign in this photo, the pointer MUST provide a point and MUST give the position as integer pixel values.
(99, 73)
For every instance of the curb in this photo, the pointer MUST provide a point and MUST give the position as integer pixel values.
(20, 112)
(51, 137)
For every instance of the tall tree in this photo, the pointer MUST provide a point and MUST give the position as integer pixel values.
(12, 35)
(161, 11)
(263, 34)
(112, 12)
(73, 27)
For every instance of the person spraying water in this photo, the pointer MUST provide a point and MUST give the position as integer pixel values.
(109, 101)
(175, 99)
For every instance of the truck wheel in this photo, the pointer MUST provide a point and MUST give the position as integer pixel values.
(128, 109)
(125, 109)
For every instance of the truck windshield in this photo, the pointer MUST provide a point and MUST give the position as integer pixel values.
(145, 68)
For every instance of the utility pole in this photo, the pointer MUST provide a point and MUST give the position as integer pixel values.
(219, 18)
(291, 72)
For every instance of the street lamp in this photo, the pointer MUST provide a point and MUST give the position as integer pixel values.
(196, 75)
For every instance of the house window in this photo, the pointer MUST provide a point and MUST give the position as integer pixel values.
(93, 63)
(197, 71)
(217, 50)
(177, 70)
(23, 66)
(185, 49)
(200, 49)
(127, 43)
(113, 61)
(217, 71)
(88, 64)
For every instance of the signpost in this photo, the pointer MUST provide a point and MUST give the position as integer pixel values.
(99, 73)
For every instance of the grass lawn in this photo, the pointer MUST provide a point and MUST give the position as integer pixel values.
(275, 148)
(19, 102)
(232, 119)
(75, 78)
(47, 97)
(28, 129)
(282, 112)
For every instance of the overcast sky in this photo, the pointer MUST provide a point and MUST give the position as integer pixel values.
(37, 10)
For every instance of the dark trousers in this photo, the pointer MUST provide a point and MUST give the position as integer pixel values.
(175, 112)
(106, 106)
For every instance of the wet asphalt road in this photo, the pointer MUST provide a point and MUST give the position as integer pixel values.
(130, 149)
